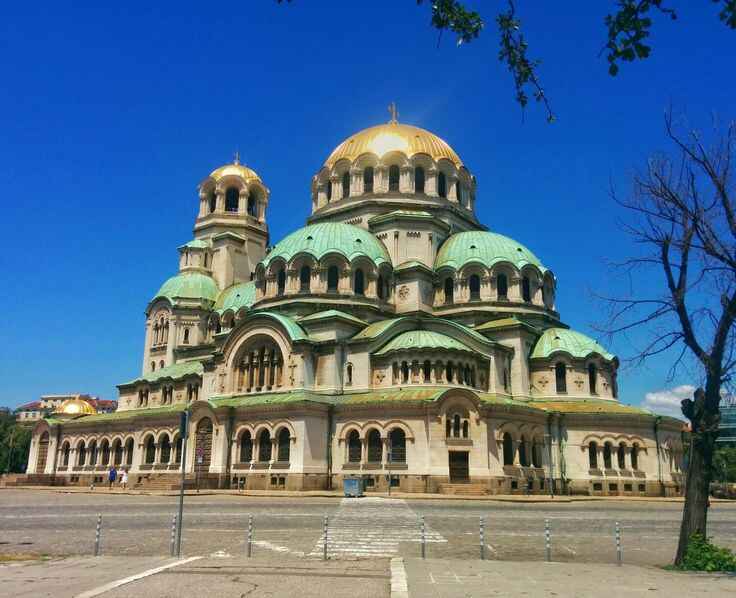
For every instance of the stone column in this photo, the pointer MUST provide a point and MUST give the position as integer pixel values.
(406, 185)
(356, 181)
(430, 182)
(452, 194)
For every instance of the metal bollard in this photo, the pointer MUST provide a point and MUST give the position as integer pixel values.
(98, 533)
(324, 546)
(547, 543)
(619, 554)
(482, 540)
(424, 539)
(173, 535)
(250, 535)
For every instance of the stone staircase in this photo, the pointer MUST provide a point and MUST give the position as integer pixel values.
(469, 489)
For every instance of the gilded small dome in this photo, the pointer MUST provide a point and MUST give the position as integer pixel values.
(235, 169)
(393, 137)
(75, 406)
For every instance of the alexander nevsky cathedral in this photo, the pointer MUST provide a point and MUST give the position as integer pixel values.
(394, 338)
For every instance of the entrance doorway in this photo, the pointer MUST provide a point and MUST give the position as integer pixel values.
(459, 470)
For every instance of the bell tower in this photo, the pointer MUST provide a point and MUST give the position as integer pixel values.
(232, 218)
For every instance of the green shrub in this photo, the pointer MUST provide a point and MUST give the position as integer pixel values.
(702, 555)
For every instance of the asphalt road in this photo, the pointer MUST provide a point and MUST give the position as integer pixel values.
(62, 524)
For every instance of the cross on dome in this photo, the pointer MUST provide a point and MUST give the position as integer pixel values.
(393, 112)
(236, 159)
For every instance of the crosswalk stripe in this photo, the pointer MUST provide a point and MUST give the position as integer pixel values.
(372, 526)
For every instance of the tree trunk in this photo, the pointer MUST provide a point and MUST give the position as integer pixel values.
(704, 417)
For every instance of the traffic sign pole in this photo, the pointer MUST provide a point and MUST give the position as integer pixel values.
(184, 432)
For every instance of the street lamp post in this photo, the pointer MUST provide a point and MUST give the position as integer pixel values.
(184, 434)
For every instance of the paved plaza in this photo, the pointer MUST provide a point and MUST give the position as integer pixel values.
(364, 536)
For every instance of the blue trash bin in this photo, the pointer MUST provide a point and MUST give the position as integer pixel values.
(352, 487)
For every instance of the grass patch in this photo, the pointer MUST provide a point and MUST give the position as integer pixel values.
(703, 555)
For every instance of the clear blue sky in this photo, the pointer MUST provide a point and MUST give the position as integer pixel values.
(111, 115)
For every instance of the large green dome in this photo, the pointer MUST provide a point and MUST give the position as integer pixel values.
(485, 248)
(564, 340)
(321, 239)
(188, 285)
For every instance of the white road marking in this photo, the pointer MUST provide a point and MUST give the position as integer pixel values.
(121, 582)
(275, 548)
(399, 586)
(372, 526)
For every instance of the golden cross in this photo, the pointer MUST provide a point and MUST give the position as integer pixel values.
(394, 113)
(236, 160)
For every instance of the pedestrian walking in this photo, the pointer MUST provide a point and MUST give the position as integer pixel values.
(124, 479)
(112, 476)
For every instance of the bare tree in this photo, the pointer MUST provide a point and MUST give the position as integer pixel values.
(682, 214)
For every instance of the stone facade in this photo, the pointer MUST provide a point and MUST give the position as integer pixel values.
(394, 338)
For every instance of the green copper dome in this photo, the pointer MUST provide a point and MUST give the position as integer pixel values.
(563, 340)
(330, 237)
(188, 285)
(418, 340)
(484, 248)
(236, 296)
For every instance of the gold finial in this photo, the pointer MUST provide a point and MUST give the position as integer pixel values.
(393, 112)
(236, 159)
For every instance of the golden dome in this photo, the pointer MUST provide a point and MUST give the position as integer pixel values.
(75, 406)
(235, 169)
(393, 136)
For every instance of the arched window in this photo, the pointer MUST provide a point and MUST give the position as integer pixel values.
(246, 447)
(186, 336)
(475, 287)
(592, 378)
(397, 445)
(177, 450)
(502, 286)
(448, 372)
(92, 450)
(448, 427)
(466, 428)
(82, 454)
(393, 178)
(607, 456)
(264, 446)
(526, 289)
(305, 277)
(332, 279)
(355, 448)
(129, 452)
(349, 374)
(442, 184)
(231, 199)
(165, 449)
(456, 426)
(150, 451)
(635, 457)
(252, 206)
(359, 284)
(593, 455)
(621, 456)
(375, 448)
(404, 372)
(560, 377)
(523, 459)
(345, 185)
(508, 449)
(427, 371)
(380, 287)
(419, 179)
(368, 180)
(449, 290)
(117, 452)
(536, 453)
(284, 445)
(105, 451)
(65, 451)
(153, 366)
(212, 201)
(281, 282)
(329, 191)
(161, 365)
